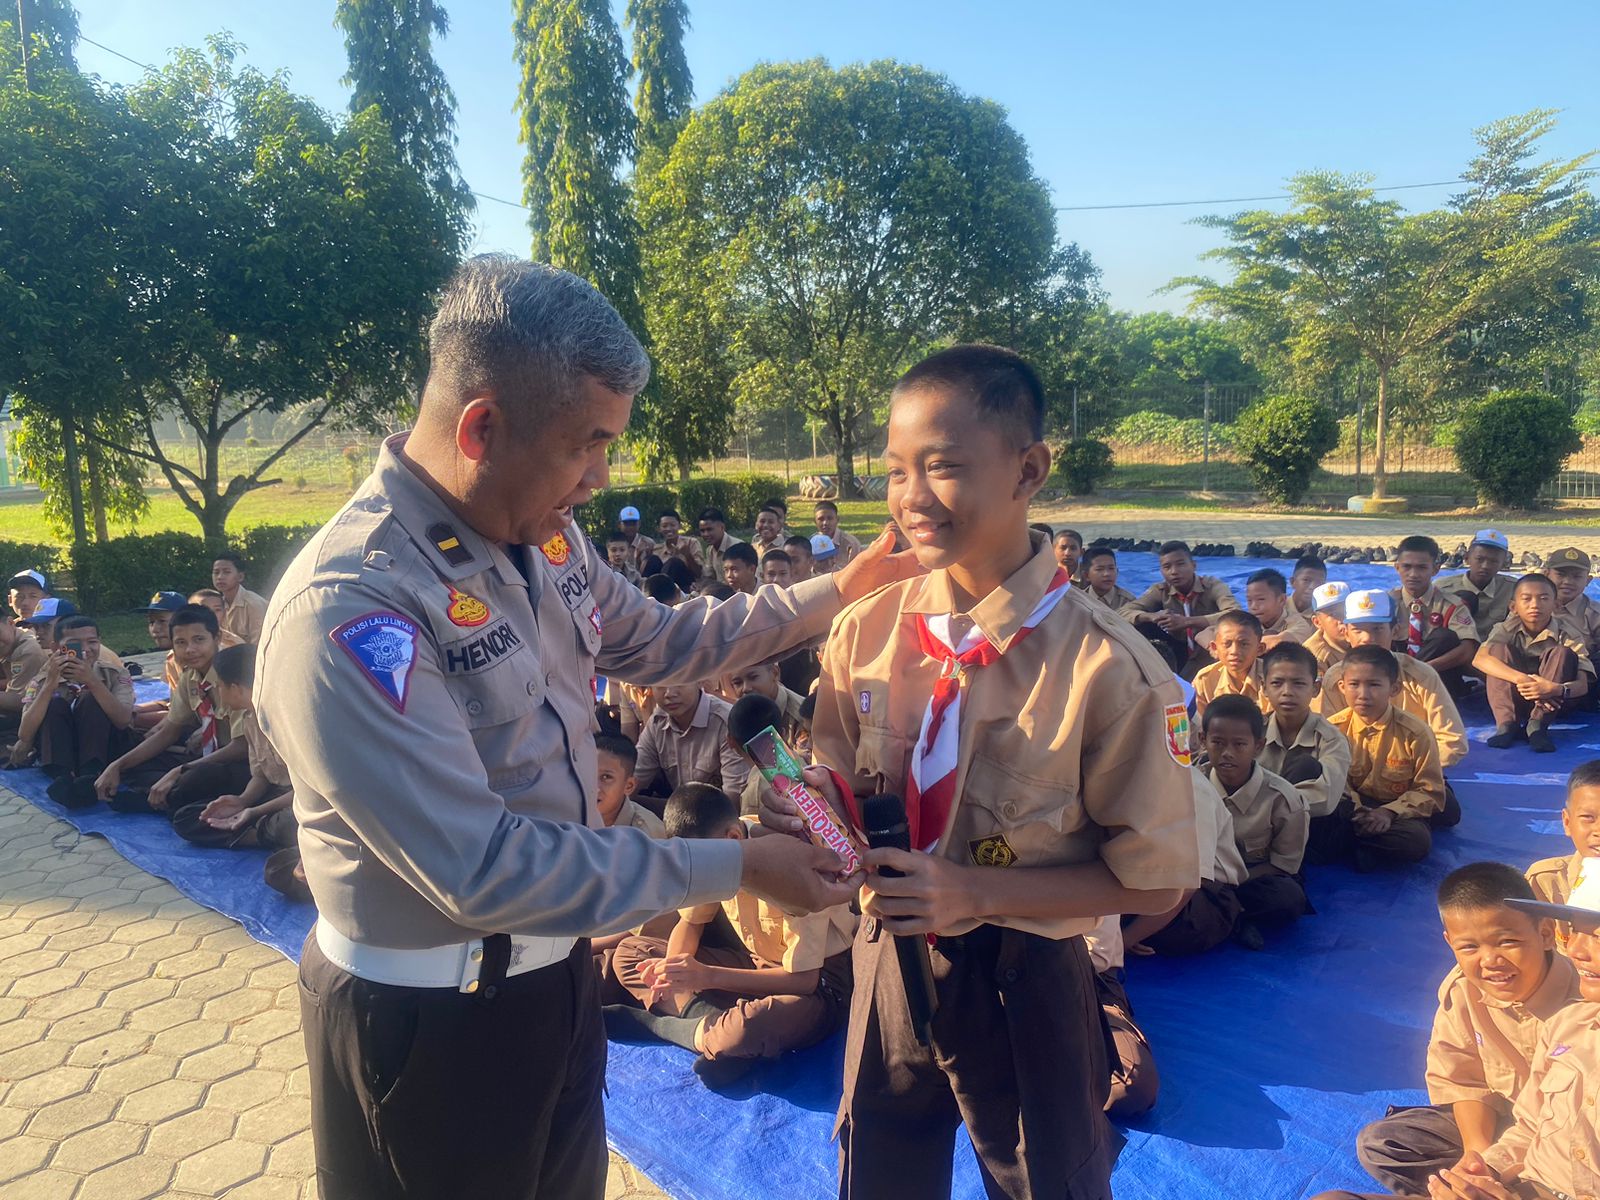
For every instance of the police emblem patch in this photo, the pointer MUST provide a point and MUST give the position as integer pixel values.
(992, 851)
(384, 645)
(556, 551)
(466, 611)
(1178, 734)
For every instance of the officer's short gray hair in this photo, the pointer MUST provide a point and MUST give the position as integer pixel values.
(530, 333)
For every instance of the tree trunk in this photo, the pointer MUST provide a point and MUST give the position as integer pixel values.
(845, 463)
(71, 453)
(1380, 438)
(685, 467)
(97, 493)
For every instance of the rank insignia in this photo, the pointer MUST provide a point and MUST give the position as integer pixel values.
(556, 551)
(992, 851)
(384, 646)
(466, 611)
(448, 544)
(1178, 734)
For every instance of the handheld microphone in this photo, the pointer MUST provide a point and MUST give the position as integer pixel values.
(753, 723)
(885, 819)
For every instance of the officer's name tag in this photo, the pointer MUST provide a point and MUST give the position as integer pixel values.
(488, 648)
(573, 585)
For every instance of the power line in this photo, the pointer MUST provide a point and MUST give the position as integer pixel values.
(118, 53)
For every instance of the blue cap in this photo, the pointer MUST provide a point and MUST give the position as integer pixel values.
(166, 602)
(1492, 537)
(629, 513)
(822, 546)
(50, 608)
(1368, 608)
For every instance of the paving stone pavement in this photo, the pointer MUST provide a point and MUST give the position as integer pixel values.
(149, 1047)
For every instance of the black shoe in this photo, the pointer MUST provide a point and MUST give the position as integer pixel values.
(1366, 862)
(1246, 934)
(718, 1073)
(81, 793)
(1539, 742)
(1504, 736)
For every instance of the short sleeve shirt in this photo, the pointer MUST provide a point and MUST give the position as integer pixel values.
(1527, 647)
(18, 668)
(774, 938)
(1394, 763)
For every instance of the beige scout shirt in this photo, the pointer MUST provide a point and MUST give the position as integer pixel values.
(1482, 1049)
(1552, 879)
(639, 549)
(264, 760)
(243, 618)
(637, 815)
(113, 675)
(1220, 860)
(1290, 627)
(1493, 601)
(1584, 613)
(1440, 614)
(849, 546)
(1422, 694)
(1069, 746)
(183, 710)
(699, 753)
(715, 554)
(18, 668)
(1117, 599)
(1327, 745)
(1326, 652)
(1210, 598)
(688, 549)
(1270, 822)
(1526, 647)
(1214, 681)
(796, 944)
(442, 751)
(172, 672)
(1394, 763)
(1556, 1137)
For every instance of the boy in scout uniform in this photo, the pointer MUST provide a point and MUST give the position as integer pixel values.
(1180, 606)
(1100, 579)
(1437, 628)
(826, 518)
(675, 544)
(1310, 573)
(24, 592)
(1395, 784)
(1327, 644)
(79, 707)
(1135, 1079)
(1235, 673)
(1027, 829)
(1485, 592)
(640, 546)
(242, 610)
(21, 658)
(1301, 746)
(685, 740)
(1535, 666)
(1266, 595)
(715, 540)
(615, 784)
(1505, 989)
(1569, 569)
(1553, 879)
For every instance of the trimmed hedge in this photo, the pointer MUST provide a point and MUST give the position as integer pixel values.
(599, 516)
(29, 556)
(1084, 465)
(1511, 444)
(750, 492)
(1283, 440)
(697, 494)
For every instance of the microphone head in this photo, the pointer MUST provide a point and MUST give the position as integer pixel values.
(751, 714)
(882, 812)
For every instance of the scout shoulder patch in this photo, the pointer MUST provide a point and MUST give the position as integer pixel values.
(446, 542)
(556, 551)
(1178, 734)
(992, 851)
(384, 645)
(466, 611)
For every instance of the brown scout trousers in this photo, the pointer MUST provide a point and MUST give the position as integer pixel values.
(1021, 1054)
(1557, 664)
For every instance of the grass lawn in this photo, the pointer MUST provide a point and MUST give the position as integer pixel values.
(22, 513)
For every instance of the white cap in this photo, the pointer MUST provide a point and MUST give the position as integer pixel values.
(1329, 595)
(1492, 537)
(629, 513)
(822, 546)
(1582, 909)
(1372, 607)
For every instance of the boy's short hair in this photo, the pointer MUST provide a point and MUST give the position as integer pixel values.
(777, 504)
(775, 511)
(207, 593)
(698, 810)
(660, 587)
(229, 556)
(66, 625)
(1241, 618)
(1309, 562)
(678, 571)
(1584, 775)
(779, 556)
(1374, 656)
(1094, 552)
(742, 552)
(999, 382)
(196, 614)
(829, 505)
(1173, 547)
(671, 512)
(1290, 652)
(615, 534)
(1241, 708)
(712, 513)
(1270, 576)
(1418, 543)
(236, 665)
(1071, 533)
(1483, 885)
(718, 591)
(796, 542)
(1535, 577)
(619, 748)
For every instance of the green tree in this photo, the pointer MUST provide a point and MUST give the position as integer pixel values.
(1163, 352)
(1513, 443)
(51, 30)
(813, 229)
(390, 48)
(115, 482)
(577, 132)
(1283, 440)
(664, 93)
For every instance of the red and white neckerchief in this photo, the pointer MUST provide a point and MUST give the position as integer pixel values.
(930, 790)
(206, 711)
(1187, 599)
(1415, 630)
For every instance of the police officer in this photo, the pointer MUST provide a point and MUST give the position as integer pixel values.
(427, 668)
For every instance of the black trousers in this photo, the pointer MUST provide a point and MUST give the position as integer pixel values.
(433, 1094)
(77, 735)
(201, 783)
(1333, 839)
(1205, 922)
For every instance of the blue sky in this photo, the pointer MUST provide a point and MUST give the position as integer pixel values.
(1121, 102)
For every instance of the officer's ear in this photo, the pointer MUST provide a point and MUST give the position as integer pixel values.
(480, 425)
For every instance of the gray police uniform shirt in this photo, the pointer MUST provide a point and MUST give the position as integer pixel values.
(435, 710)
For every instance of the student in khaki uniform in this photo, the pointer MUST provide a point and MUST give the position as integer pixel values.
(1437, 628)
(242, 610)
(1266, 595)
(1204, 917)
(685, 740)
(25, 590)
(21, 658)
(1100, 579)
(79, 709)
(801, 565)
(675, 544)
(1135, 1079)
(1395, 784)
(1041, 822)
(1553, 879)
(1482, 589)
(1310, 573)
(778, 983)
(1236, 672)
(769, 532)
(1180, 606)
(1569, 569)
(1506, 986)
(716, 541)
(1301, 746)
(1327, 644)
(1068, 547)
(765, 679)
(1535, 667)
(640, 545)
(619, 557)
(616, 757)
(826, 517)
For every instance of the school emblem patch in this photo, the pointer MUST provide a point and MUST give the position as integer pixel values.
(1178, 734)
(556, 551)
(466, 611)
(992, 851)
(384, 646)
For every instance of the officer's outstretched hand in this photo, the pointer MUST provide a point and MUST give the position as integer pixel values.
(795, 875)
(878, 565)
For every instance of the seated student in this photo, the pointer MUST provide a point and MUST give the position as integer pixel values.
(826, 516)
(617, 757)
(675, 544)
(1301, 746)
(1396, 783)
(1270, 823)
(777, 568)
(619, 556)
(1482, 589)
(825, 556)
(685, 740)
(24, 590)
(1235, 673)
(21, 658)
(42, 623)
(737, 981)
(780, 506)
(1438, 628)
(1504, 990)
(262, 812)
(1569, 569)
(212, 599)
(158, 623)
(1068, 547)
(243, 611)
(766, 679)
(1553, 879)
(769, 533)
(1180, 606)
(1266, 594)
(800, 561)
(716, 539)
(1310, 573)
(1135, 1081)
(682, 577)
(640, 545)
(1100, 579)
(1535, 666)
(1369, 621)
(651, 565)
(1327, 644)
(77, 713)
(740, 566)
(662, 590)
(153, 777)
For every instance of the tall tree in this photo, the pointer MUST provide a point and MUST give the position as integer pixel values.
(390, 48)
(814, 228)
(664, 93)
(578, 131)
(50, 27)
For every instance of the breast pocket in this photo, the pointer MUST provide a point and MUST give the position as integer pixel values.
(882, 759)
(1009, 816)
(498, 694)
(1560, 1096)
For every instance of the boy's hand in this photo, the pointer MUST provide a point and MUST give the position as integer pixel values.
(782, 815)
(795, 875)
(1472, 1179)
(1371, 821)
(928, 895)
(109, 781)
(1531, 687)
(74, 670)
(228, 812)
(878, 565)
(21, 752)
(162, 788)
(681, 973)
